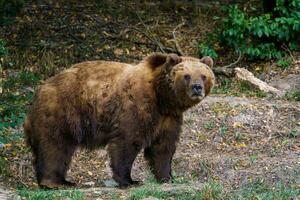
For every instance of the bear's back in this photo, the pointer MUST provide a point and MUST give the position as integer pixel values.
(87, 77)
(62, 96)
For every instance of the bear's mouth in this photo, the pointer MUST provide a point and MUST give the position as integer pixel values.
(196, 96)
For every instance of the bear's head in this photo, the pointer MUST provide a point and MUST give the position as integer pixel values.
(193, 78)
(184, 80)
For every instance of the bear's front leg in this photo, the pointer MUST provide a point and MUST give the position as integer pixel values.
(122, 154)
(159, 155)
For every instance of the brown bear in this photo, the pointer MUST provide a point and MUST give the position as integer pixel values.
(126, 107)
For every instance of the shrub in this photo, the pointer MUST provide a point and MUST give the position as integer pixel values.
(3, 51)
(10, 8)
(260, 37)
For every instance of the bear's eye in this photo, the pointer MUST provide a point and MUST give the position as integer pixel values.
(203, 77)
(187, 77)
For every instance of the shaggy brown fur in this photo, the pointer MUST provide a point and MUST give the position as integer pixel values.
(126, 107)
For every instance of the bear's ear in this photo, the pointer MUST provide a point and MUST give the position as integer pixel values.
(157, 59)
(208, 61)
(173, 59)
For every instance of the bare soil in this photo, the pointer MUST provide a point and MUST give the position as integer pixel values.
(228, 139)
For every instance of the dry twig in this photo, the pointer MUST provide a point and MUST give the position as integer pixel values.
(228, 70)
(286, 48)
(178, 48)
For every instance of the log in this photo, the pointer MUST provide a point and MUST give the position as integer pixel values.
(244, 74)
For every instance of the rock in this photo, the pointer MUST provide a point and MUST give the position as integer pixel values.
(150, 198)
(110, 183)
(90, 183)
(218, 139)
(248, 119)
(7, 194)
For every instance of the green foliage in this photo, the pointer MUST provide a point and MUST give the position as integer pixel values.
(239, 136)
(293, 95)
(237, 88)
(260, 37)
(9, 9)
(209, 125)
(223, 130)
(14, 99)
(284, 63)
(211, 190)
(207, 50)
(3, 166)
(51, 194)
(260, 190)
(3, 51)
(294, 133)
(257, 189)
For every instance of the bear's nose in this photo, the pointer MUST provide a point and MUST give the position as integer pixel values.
(197, 89)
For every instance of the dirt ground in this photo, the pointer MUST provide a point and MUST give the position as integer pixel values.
(228, 139)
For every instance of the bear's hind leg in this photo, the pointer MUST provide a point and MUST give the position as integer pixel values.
(52, 163)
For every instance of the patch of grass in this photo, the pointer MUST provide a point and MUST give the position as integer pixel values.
(274, 151)
(223, 87)
(259, 190)
(211, 190)
(223, 130)
(238, 136)
(179, 180)
(205, 168)
(237, 88)
(188, 120)
(150, 189)
(21, 79)
(3, 167)
(284, 63)
(15, 98)
(294, 133)
(10, 136)
(209, 125)
(284, 142)
(51, 194)
(253, 158)
(293, 95)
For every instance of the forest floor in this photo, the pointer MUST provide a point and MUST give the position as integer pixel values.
(232, 141)
(238, 143)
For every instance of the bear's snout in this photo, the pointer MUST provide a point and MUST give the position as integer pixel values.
(197, 89)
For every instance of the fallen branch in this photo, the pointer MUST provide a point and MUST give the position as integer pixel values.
(244, 74)
(148, 32)
(286, 48)
(227, 70)
(80, 41)
(235, 62)
(162, 48)
(178, 48)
